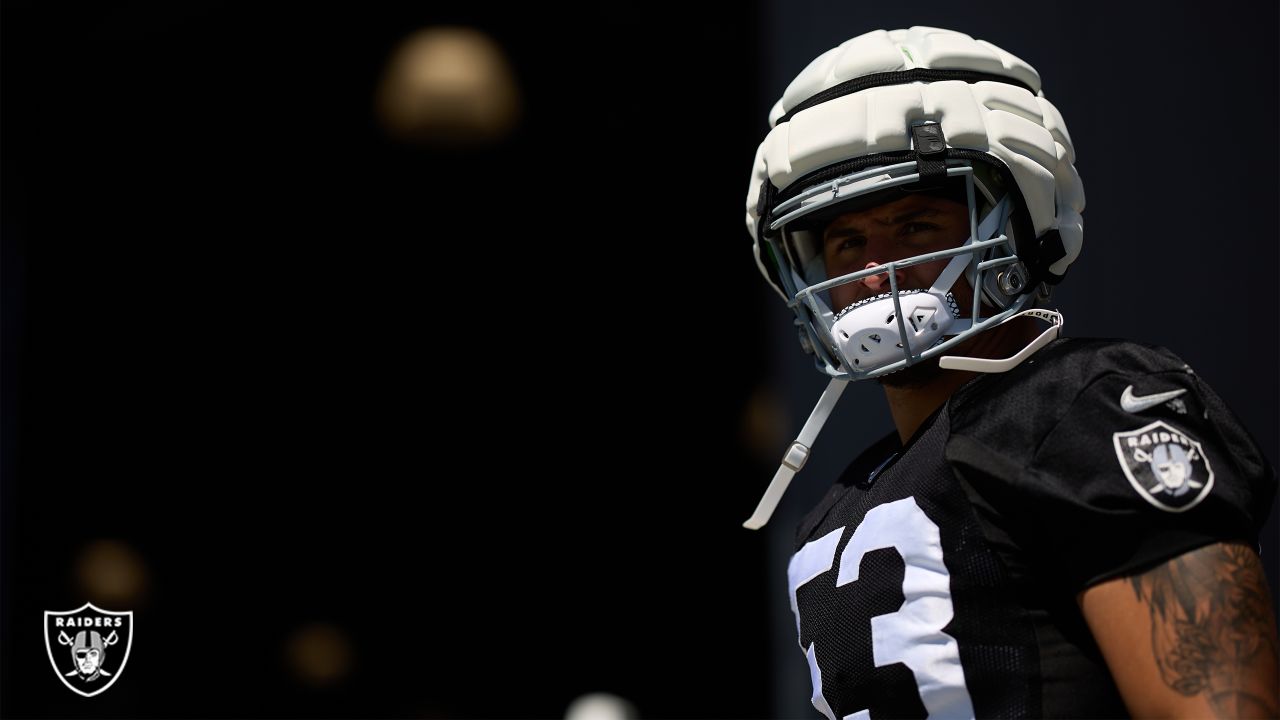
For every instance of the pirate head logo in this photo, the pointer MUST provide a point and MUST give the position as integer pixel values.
(1165, 466)
(88, 647)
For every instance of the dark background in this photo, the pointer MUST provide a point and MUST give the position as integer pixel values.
(310, 374)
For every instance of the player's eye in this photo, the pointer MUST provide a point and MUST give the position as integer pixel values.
(847, 242)
(912, 228)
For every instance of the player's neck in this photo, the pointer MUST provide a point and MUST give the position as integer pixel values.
(911, 406)
(912, 403)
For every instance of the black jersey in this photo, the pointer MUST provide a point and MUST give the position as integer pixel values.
(939, 578)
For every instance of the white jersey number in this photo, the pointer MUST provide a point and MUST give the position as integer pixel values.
(913, 635)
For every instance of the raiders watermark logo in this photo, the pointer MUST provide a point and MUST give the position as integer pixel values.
(1165, 466)
(88, 647)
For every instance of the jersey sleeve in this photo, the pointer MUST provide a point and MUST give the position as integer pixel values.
(1142, 465)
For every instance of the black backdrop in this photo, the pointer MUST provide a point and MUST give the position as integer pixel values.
(459, 405)
(482, 412)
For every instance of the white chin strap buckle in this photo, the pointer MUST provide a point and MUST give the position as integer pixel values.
(985, 365)
(796, 455)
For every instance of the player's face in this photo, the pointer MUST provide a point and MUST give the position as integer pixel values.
(87, 661)
(909, 226)
(1172, 474)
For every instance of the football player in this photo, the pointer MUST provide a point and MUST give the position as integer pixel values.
(1057, 527)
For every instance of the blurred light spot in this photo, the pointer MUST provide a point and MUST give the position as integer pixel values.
(111, 575)
(319, 654)
(601, 706)
(764, 425)
(448, 86)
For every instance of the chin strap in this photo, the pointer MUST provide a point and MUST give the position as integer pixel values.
(986, 365)
(796, 455)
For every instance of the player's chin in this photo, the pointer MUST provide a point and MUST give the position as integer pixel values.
(918, 375)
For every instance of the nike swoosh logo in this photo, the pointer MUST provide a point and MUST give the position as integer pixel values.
(1134, 403)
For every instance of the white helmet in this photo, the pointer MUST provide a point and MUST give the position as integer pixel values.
(910, 111)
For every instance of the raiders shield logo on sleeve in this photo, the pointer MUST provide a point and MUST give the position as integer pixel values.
(1166, 467)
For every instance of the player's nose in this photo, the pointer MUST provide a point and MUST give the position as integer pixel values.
(880, 283)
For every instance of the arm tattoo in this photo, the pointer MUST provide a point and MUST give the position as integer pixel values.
(1212, 628)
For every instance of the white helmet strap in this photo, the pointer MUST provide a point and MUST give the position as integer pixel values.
(796, 455)
(987, 365)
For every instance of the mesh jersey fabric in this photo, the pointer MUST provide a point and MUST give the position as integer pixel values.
(1021, 474)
